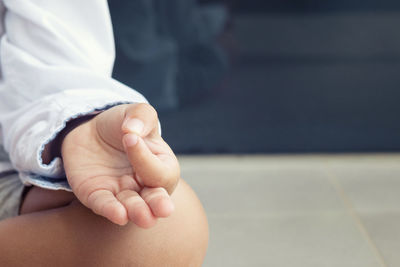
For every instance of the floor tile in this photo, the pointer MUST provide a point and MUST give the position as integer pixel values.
(273, 191)
(251, 163)
(286, 241)
(384, 229)
(285, 211)
(370, 187)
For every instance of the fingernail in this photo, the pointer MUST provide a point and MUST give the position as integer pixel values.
(134, 126)
(130, 140)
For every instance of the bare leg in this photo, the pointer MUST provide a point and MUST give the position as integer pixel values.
(74, 236)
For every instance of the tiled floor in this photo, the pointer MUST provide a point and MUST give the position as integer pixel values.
(314, 210)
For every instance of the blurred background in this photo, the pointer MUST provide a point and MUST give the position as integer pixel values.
(265, 76)
(284, 114)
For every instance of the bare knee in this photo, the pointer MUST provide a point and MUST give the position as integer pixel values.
(185, 233)
(75, 236)
(180, 240)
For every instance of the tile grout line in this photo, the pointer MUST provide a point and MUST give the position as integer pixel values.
(332, 178)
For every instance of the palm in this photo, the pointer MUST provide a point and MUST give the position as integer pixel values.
(115, 182)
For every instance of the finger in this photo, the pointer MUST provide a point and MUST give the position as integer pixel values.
(164, 153)
(152, 171)
(104, 203)
(158, 200)
(158, 146)
(141, 119)
(138, 211)
(128, 182)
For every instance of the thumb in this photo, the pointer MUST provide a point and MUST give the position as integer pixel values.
(141, 119)
(114, 123)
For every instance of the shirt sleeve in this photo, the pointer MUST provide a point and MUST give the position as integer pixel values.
(56, 64)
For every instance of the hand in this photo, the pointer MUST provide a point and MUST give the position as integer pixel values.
(119, 166)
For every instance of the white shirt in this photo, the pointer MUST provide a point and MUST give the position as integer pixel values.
(56, 61)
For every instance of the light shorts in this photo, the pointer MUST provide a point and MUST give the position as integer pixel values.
(11, 193)
(13, 185)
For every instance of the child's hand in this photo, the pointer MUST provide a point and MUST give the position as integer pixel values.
(119, 166)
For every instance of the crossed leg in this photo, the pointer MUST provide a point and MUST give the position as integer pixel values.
(56, 230)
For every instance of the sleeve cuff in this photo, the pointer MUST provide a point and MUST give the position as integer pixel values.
(47, 118)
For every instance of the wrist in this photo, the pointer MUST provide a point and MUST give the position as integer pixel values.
(53, 148)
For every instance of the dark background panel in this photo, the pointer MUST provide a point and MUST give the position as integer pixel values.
(311, 6)
(305, 76)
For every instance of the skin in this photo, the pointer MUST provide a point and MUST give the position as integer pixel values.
(119, 171)
(128, 206)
